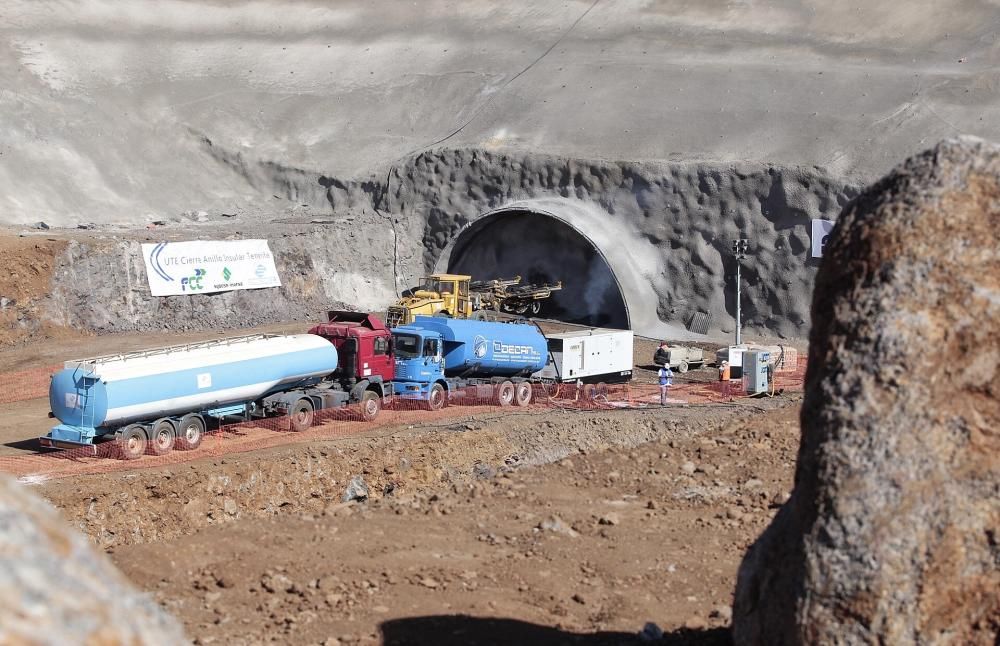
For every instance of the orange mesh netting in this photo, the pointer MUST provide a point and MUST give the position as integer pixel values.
(244, 436)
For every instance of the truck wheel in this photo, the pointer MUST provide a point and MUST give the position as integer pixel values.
(536, 307)
(522, 393)
(131, 442)
(301, 415)
(190, 431)
(437, 397)
(682, 366)
(505, 393)
(371, 404)
(162, 437)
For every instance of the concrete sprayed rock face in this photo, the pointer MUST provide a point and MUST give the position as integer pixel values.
(892, 534)
(56, 589)
(664, 231)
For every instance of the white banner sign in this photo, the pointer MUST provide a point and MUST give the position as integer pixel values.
(206, 266)
(821, 231)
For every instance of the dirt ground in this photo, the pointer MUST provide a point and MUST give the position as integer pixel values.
(469, 534)
(536, 527)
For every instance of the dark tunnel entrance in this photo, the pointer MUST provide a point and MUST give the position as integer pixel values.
(541, 248)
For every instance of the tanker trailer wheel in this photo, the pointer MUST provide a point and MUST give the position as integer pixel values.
(505, 393)
(437, 397)
(301, 415)
(131, 442)
(371, 405)
(522, 393)
(162, 437)
(682, 366)
(190, 431)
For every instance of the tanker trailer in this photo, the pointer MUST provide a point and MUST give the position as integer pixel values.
(440, 358)
(162, 398)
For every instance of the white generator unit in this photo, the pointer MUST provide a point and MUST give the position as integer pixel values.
(591, 356)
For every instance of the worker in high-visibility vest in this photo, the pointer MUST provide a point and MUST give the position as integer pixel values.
(666, 376)
(724, 376)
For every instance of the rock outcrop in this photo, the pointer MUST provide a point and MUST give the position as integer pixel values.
(892, 534)
(55, 588)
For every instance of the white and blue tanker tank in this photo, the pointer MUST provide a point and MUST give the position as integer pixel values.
(95, 397)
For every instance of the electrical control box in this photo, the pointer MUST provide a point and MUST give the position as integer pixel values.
(755, 372)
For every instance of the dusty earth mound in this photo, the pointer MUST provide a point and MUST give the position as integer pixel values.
(56, 589)
(891, 533)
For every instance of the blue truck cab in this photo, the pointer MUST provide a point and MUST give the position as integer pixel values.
(419, 362)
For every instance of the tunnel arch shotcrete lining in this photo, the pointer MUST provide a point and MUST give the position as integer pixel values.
(544, 248)
(632, 265)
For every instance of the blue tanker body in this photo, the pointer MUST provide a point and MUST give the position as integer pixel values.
(438, 358)
(96, 397)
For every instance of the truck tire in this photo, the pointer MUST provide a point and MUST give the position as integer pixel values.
(132, 442)
(522, 393)
(682, 366)
(162, 437)
(301, 415)
(536, 307)
(371, 405)
(190, 432)
(505, 393)
(437, 398)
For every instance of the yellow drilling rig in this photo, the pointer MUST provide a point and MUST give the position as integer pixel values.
(457, 295)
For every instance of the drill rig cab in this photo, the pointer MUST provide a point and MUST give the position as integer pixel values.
(445, 294)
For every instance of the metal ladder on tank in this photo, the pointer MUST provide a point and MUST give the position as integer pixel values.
(86, 395)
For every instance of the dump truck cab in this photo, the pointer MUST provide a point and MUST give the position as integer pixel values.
(446, 294)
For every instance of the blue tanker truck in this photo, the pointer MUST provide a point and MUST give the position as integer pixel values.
(440, 358)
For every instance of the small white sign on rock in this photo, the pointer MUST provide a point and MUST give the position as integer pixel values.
(820, 232)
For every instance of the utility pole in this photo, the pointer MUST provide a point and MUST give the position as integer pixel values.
(740, 252)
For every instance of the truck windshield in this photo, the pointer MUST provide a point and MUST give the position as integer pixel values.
(406, 346)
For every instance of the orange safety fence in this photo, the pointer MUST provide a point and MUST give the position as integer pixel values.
(244, 436)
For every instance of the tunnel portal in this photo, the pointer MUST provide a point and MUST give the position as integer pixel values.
(541, 248)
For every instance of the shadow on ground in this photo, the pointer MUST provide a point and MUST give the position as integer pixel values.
(462, 630)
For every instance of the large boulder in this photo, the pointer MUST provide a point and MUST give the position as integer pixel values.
(892, 534)
(55, 588)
